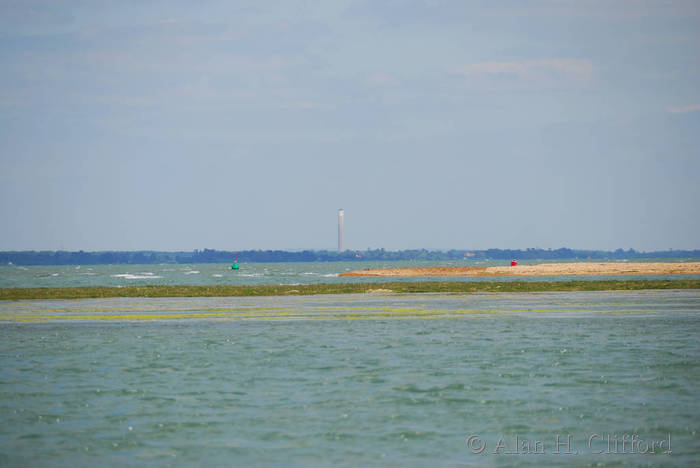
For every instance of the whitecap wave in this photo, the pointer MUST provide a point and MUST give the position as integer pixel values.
(192, 272)
(216, 275)
(141, 276)
(330, 275)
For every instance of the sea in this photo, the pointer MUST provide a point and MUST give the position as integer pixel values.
(489, 379)
(292, 273)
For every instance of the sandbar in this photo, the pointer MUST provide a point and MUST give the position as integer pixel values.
(544, 269)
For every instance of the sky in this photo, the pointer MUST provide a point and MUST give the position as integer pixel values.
(241, 125)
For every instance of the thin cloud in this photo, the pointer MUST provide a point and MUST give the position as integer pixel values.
(684, 109)
(381, 79)
(307, 105)
(529, 73)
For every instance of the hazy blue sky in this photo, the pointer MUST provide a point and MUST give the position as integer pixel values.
(438, 124)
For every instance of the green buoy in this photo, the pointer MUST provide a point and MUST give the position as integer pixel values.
(235, 266)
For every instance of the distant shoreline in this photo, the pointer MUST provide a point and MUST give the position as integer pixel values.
(94, 292)
(544, 269)
(153, 257)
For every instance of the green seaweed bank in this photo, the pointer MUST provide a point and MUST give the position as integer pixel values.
(343, 288)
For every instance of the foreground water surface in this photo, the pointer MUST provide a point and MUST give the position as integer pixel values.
(420, 380)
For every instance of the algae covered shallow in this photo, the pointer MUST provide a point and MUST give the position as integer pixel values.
(341, 288)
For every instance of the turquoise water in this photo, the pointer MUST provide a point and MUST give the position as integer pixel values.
(373, 379)
(250, 274)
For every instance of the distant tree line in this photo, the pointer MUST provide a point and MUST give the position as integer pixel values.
(259, 256)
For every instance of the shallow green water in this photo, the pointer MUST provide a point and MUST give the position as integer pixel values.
(350, 380)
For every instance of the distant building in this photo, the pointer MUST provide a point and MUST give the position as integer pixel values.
(341, 215)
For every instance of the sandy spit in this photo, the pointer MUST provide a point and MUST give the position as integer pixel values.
(544, 269)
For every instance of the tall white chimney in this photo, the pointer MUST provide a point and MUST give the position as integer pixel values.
(341, 215)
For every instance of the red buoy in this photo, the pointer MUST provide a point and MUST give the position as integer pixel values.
(513, 263)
